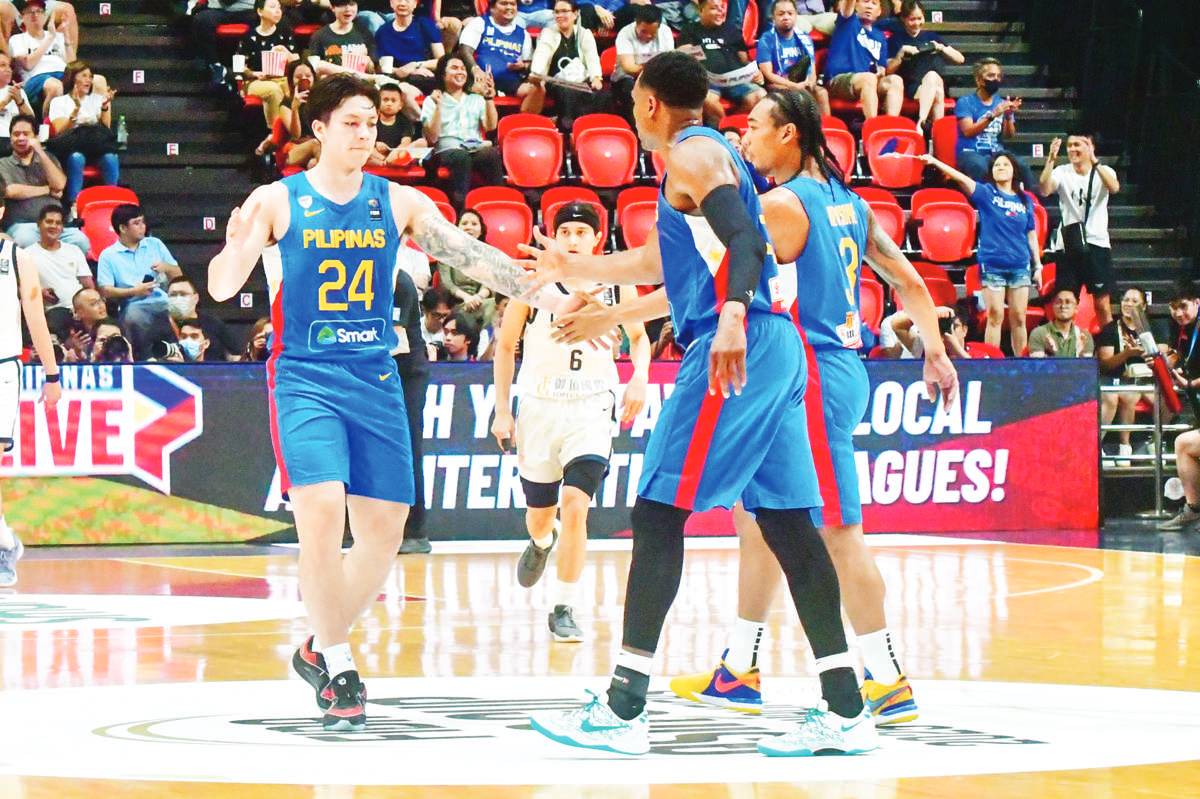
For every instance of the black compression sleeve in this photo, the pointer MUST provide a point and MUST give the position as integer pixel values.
(731, 221)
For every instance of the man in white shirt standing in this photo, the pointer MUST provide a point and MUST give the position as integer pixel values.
(62, 268)
(1084, 186)
(637, 43)
(41, 54)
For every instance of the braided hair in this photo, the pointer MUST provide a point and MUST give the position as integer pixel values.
(798, 108)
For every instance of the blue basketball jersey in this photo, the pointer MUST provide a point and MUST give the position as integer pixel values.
(827, 270)
(498, 49)
(331, 275)
(696, 264)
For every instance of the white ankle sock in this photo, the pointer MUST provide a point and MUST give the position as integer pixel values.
(562, 593)
(6, 535)
(544, 542)
(743, 645)
(639, 663)
(338, 659)
(879, 656)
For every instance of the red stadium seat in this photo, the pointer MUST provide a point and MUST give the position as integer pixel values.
(739, 121)
(509, 220)
(305, 31)
(232, 31)
(481, 7)
(900, 166)
(946, 231)
(440, 200)
(832, 122)
(637, 212)
(1085, 314)
(924, 196)
(877, 353)
(942, 291)
(114, 194)
(608, 62)
(1049, 275)
(980, 349)
(887, 211)
(97, 225)
(660, 165)
(928, 270)
(532, 156)
(971, 280)
(514, 121)
(870, 304)
(1041, 221)
(607, 157)
(843, 148)
(945, 140)
(590, 121)
(886, 122)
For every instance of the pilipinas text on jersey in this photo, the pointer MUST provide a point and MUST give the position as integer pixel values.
(696, 263)
(825, 278)
(331, 274)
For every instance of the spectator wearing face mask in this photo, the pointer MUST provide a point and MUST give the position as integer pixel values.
(182, 300)
(257, 349)
(192, 341)
(985, 119)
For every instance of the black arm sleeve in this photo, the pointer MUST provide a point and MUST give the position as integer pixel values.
(731, 221)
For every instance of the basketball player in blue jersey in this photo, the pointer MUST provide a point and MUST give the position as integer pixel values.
(733, 430)
(328, 239)
(816, 222)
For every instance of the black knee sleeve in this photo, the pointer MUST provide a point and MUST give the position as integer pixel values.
(654, 571)
(539, 495)
(585, 473)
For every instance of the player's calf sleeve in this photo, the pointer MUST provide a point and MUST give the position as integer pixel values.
(654, 571)
(813, 583)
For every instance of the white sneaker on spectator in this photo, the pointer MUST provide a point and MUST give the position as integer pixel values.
(1124, 449)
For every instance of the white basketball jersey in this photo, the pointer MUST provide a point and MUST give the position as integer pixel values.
(558, 371)
(10, 302)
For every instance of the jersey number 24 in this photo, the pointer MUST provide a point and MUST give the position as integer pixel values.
(361, 285)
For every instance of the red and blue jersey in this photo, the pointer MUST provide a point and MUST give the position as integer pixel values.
(827, 271)
(696, 263)
(332, 272)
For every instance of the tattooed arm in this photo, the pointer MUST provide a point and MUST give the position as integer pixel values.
(417, 216)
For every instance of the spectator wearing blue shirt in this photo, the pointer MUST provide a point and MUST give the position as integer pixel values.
(917, 55)
(856, 68)
(984, 120)
(133, 270)
(414, 43)
(535, 13)
(781, 49)
(499, 43)
(1008, 244)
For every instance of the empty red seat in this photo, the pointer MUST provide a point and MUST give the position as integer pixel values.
(305, 31)
(232, 31)
(886, 122)
(509, 220)
(832, 122)
(893, 156)
(923, 196)
(512, 122)
(660, 165)
(114, 194)
(637, 212)
(441, 200)
(942, 291)
(608, 62)
(843, 148)
(532, 156)
(928, 270)
(750, 23)
(870, 304)
(739, 121)
(607, 157)
(945, 140)
(980, 349)
(590, 121)
(946, 231)
(888, 212)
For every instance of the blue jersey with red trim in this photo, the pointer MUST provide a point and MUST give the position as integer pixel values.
(331, 275)
(827, 301)
(696, 264)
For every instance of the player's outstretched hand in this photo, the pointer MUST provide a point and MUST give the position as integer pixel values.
(549, 263)
(727, 357)
(593, 322)
(940, 378)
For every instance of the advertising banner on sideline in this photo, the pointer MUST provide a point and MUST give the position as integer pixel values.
(168, 453)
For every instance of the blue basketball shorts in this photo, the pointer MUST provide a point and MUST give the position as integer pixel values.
(707, 451)
(836, 399)
(342, 421)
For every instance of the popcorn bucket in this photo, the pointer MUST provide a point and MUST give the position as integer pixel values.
(274, 62)
(356, 61)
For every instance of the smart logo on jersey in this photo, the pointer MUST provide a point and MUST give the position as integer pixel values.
(112, 420)
(350, 334)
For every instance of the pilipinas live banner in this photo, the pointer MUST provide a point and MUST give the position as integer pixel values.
(182, 453)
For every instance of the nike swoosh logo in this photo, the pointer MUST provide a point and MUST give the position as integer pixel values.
(314, 213)
(724, 685)
(384, 376)
(587, 726)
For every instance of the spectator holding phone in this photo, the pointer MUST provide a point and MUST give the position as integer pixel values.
(917, 56)
(1084, 186)
(1007, 244)
(857, 65)
(134, 270)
